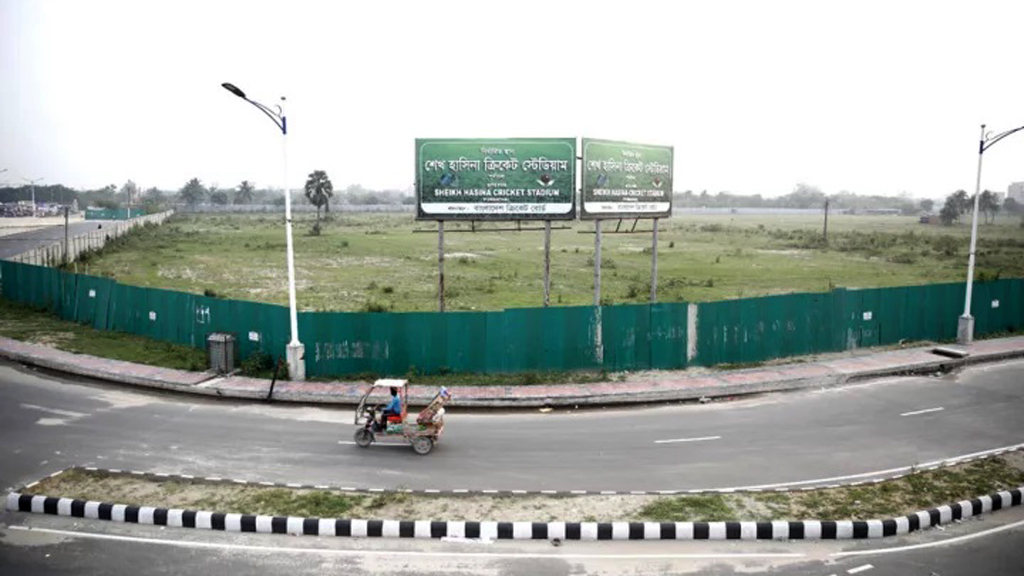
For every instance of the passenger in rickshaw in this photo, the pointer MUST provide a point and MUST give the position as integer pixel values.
(394, 408)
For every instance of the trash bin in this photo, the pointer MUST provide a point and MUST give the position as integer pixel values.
(221, 352)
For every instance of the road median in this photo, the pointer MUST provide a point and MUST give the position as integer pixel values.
(916, 501)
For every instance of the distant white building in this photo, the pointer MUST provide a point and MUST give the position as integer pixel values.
(1016, 191)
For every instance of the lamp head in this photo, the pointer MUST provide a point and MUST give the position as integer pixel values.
(233, 89)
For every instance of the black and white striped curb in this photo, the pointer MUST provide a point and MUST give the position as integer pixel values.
(779, 530)
(804, 486)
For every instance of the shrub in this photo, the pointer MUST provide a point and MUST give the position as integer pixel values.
(257, 362)
(903, 258)
(374, 306)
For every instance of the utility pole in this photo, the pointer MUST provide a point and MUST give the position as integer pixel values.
(66, 208)
(824, 233)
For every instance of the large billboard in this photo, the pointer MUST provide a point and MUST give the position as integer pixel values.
(510, 178)
(624, 180)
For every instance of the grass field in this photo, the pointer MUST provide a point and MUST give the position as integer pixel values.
(21, 322)
(377, 262)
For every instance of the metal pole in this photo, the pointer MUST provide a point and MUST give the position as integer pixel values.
(965, 329)
(65, 235)
(547, 263)
(598, 344)
(654, 263)
(296, 360)
(824, 233)
(440, 265)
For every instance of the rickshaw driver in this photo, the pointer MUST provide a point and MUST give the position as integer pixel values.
(393, 408)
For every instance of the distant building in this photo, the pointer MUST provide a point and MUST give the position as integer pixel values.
(1016, 191)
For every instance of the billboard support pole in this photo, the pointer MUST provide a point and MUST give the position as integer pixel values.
(440, 265)
(654, 263)
(547, 263)
(598, 344)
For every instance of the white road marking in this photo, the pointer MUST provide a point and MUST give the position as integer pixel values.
(925, 411)
(951, 460)
(404, 553)
(860, 569)
(702, 439)
(66, 413)
(930, 544)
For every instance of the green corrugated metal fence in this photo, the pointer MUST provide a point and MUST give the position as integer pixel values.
(633, 337)
(113, 213)
(758, 329)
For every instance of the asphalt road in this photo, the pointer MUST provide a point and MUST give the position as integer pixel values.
(14, 244)
(48, 424)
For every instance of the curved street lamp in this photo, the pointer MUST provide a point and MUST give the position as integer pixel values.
(965, 326)
(32, 183)
(295, 351)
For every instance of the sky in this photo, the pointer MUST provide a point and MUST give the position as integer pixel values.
(871, 97)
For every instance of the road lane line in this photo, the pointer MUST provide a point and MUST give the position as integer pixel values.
(925, 411)
(702, 439)
(55, 411)
(404, 553)
(936, 463)
(927, 544)
(860, 569)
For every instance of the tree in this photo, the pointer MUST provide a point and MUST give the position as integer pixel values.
(962, 202)
(219, 197)
(131, 192)
(152, 200)
(950, 213)
(318, 191)
(193, 192)
(988, 203)
(804, 196)
(927, 205)
(245, 193)
(1012, 206)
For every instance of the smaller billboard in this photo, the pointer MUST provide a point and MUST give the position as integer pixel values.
(509, 178)
(626, 180)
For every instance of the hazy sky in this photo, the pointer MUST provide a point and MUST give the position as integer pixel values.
(870, 97)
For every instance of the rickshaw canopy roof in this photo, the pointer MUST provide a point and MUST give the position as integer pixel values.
(389, 382)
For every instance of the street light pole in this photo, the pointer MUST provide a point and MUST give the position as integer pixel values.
(965, 325)
(295, 351)
(33, 184)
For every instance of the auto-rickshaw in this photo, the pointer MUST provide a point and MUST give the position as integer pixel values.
(422, 433)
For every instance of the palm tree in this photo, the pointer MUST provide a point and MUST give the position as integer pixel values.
(318, 191)
(245, 193)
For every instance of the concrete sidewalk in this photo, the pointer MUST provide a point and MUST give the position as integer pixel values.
(667, 386)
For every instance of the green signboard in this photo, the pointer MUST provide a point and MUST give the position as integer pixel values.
(623, 180)
(512, 179)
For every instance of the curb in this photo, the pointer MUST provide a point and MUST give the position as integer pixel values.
(297, 526)
(709, 386)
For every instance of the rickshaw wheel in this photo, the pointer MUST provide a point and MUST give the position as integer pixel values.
(363, 438)
(422, 445)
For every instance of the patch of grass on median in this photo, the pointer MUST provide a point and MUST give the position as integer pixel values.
(699, 507)
(28, 324)
(282, 502)
(916, 492)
